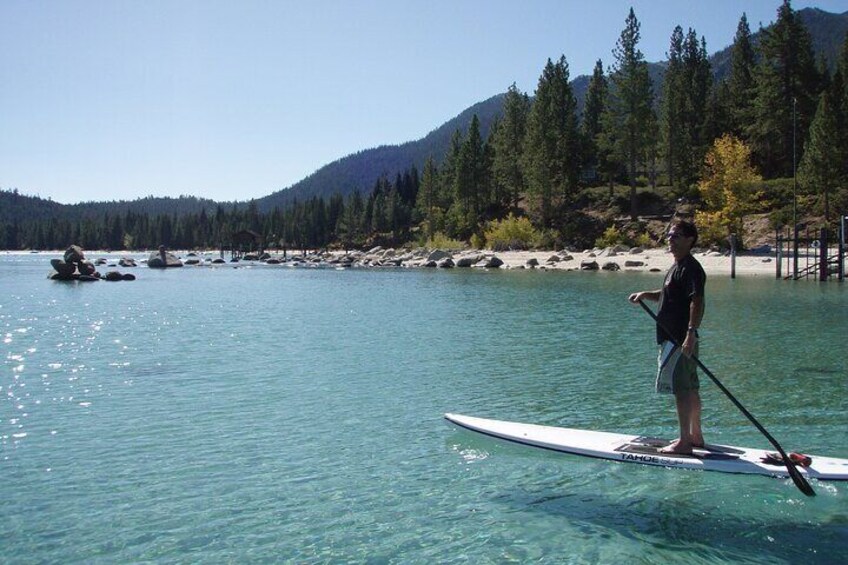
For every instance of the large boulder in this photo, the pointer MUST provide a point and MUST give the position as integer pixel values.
(492, 262)
(162, 259)
(469, 259)
(445, 263)
(86, 268)
(64, 270)
(127, 262)
(611, 266)
(437, 255)
(589, 266)
(74, 254)
(113, 276)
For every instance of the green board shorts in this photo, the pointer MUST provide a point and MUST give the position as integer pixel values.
(676, 372)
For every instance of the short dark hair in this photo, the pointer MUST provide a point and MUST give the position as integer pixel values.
(687, 229)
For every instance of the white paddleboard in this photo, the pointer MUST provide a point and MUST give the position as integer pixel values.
(645, 450)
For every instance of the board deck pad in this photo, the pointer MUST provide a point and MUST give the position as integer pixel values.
(645, 450)
(655, 450)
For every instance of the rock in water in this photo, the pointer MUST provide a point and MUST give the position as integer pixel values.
(162, 259)
(74, 254)
(65, 270)
(86, 268)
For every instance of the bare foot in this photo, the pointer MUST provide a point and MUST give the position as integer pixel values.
(677, 447)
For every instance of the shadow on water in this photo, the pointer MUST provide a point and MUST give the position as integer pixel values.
(672, 513)
(697, 522)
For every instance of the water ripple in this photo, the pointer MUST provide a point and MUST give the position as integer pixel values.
(287, 415)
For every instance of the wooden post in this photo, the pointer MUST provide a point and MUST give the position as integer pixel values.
(823, 270)
(795, 254)
(778, 254)
(733, 256)
(841, 253)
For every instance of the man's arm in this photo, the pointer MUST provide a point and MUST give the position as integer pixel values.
(653, 295)
(696, 314)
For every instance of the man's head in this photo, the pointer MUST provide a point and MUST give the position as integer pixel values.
(682, 237)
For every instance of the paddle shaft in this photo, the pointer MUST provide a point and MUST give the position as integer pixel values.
(796, 476)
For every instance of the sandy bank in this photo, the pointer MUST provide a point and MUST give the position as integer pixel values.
(714, 263)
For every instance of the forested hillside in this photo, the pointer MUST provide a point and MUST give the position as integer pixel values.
(563, 165)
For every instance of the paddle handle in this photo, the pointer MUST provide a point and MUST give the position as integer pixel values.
(796, 476)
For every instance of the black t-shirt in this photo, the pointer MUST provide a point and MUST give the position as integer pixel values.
(684, 281)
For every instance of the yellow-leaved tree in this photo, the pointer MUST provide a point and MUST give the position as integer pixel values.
(729, 189)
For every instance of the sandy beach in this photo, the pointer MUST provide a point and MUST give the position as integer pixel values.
(714, 263)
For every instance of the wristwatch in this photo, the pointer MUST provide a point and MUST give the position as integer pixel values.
(693, 330)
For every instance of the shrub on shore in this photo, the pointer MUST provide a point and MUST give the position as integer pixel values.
(512, 233)
(441, 241)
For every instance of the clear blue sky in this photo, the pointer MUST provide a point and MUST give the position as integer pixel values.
(232, 100)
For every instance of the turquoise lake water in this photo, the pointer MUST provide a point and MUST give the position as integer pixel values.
(273, 414)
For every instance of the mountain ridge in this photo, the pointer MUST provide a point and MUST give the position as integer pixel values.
(361, 170)
(369, 164)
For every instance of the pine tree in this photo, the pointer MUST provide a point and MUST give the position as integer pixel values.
(839, 104)
(632, 101)
(673, 108)
(699, 82)
(552, 150)
(428, 199)
(687, 89)
(820, 167)
(786, 94)
(740, 83)
(507, 141)
(593, 109)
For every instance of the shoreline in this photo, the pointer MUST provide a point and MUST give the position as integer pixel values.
(635, 260)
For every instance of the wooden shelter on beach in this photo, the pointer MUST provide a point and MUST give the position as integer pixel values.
(243, 242)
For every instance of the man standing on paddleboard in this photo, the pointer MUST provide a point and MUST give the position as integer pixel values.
(681, 309)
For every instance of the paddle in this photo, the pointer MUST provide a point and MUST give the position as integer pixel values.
(796, 476)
